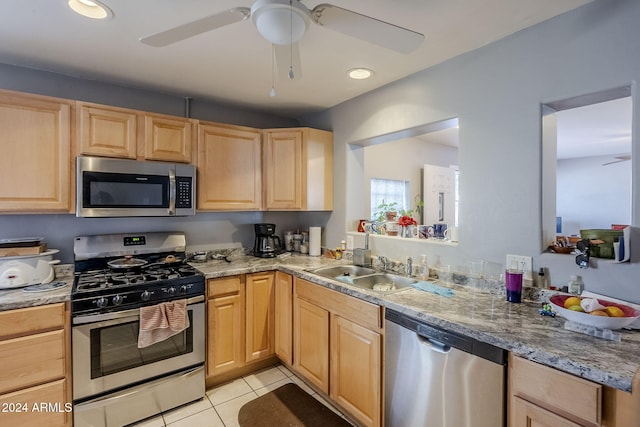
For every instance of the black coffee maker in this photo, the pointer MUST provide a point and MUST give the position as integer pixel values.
(267, 244)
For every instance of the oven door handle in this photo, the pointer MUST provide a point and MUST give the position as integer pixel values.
(91, 318)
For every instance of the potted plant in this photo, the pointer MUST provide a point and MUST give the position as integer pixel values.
(385, 211)
(411, 212)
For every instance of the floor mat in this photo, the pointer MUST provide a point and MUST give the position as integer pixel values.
(289, 406)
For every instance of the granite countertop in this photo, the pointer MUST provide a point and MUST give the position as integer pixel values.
(17, 298)
(514, 327)
(518, 328)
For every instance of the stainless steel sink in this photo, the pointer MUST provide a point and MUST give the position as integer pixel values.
(383, 282)
(343, 271)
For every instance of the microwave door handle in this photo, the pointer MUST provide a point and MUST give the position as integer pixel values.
(172, 191)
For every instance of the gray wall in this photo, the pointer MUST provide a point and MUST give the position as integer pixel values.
(210, 229)
(496, 92)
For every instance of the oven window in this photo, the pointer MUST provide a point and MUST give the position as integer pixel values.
(115, 348)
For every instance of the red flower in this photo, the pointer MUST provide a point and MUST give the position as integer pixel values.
(406, 220)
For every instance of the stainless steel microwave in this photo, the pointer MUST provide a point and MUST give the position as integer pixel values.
(116, 188)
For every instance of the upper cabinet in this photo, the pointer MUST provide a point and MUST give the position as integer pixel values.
(36, 162)
(124, 133)
(298, 169)
(229, 167)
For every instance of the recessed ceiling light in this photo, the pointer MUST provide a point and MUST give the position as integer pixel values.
(91, 9)
(360, 73)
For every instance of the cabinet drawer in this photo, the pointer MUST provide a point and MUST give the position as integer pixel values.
(361, 312)
(43, 405)
(563, 393)
(33, 319)
(223, 286)
(31, 360)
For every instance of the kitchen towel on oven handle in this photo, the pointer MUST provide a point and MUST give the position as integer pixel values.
(161, 321)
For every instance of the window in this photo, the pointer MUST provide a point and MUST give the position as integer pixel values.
(389, 190)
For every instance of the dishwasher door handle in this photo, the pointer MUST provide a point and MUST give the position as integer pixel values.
(433, 344)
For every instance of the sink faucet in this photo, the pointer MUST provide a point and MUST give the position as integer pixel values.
(409, 267)
(385, 262)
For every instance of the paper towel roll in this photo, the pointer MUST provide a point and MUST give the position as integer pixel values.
(315, 234)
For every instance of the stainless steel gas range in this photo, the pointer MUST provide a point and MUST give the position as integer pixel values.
(118, 276)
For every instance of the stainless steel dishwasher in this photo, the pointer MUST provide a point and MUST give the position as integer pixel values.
(437, 378)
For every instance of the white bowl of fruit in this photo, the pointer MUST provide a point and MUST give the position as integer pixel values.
(594, 311)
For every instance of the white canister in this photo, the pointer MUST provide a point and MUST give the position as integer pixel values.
(288, 241)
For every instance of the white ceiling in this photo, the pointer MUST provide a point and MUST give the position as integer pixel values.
(233, 63)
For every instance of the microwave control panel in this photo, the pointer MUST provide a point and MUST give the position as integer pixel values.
(184, 190)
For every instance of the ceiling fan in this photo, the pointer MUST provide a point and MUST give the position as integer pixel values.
(284, 22)
(622, 158)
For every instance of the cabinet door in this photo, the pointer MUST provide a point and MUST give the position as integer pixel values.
(43, 405)
(259, 316)
(36, 149)
(32, 360)
(168, 138)
(356, 370)
(225, 331)
(284, 317)
(107, 131)
(311, 342)
(229, 168)
(526, 414)
(284, 177)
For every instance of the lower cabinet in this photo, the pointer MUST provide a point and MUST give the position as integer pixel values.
(284, 317)
(338, 344)
(240, 325)
(35, 366)
(545, 397)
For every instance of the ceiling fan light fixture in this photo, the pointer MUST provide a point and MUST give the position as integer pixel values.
(279, 21)
(360, 73)
(91, 9)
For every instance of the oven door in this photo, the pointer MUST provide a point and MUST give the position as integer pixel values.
(106, 354)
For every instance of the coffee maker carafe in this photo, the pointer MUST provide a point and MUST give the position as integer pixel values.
(267, 244)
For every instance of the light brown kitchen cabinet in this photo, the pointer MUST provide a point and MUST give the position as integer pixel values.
(35, 366)
(260, 316)
(311, 342)
(284, 317)
(106, 131)
(225, 325)
(298, 169)
(240, 325)
(543, 396)
(35, 165)
(229, 167)
(338, 345)
(131, 134)
(168, 138)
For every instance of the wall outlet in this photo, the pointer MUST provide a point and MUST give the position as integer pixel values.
(350, 243)
(521, 262)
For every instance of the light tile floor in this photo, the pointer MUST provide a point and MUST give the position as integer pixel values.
(221, 405)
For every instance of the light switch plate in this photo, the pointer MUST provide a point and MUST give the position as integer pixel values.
(521, 262)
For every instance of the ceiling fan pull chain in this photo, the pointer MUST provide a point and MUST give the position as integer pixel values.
(291, 76)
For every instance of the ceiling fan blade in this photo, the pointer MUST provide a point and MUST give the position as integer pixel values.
(288, 61)
(366, 28)
(190, 29)
(623, 158)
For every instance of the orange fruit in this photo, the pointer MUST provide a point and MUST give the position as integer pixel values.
(571, 301)
(614, 311)
(599, 313)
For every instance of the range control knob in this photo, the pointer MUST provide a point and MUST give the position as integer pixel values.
(117, 300)
(171, 290)
(183, 289)
(102, 302)
(145, 296)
